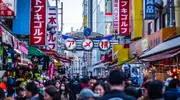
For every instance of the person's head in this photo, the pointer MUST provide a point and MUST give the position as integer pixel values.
(155, 89)
(147, 78)
(31, 89)
(9, 98)
(117, 79)
(100, 88)
(174, 83)
(20, 92)
(87, 94)
(91, 83)
(130, 90)
(57, 84)
(145, 89)
(128, 83)
(2, 94)
(51, 93)
(64, 87)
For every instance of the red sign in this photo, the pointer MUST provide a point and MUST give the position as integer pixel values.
(7, 8)
(38, 22)
(124, 17)
(52, 30)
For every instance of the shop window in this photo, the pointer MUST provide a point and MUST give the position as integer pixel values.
(165, 20)
(157, 24)
(150, 28)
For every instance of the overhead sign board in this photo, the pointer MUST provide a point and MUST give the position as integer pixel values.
(149, 9)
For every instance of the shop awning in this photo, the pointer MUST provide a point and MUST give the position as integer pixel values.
(163, 47)
(34, 51)
(123, 62)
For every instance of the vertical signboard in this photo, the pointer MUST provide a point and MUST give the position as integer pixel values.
(115, 15)
(149, 9)
(7, 8)
(124, 17)
(38, 22)
(52, 30)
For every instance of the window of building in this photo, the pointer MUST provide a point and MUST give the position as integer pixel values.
(150, 28)
(157, 24)
(165, 20)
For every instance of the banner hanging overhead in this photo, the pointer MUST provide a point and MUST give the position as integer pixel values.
(7, 8)
(124, 17)
(38, 22)
(52, 29)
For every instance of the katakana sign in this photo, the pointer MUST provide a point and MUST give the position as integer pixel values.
(104, 44)
(70, 44)
(87, 44)
(52, 31)
(38, 22)
(124, 17)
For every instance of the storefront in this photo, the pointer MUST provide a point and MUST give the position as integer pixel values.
(163, 61)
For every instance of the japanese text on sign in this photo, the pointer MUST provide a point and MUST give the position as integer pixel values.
(124, 17)
(7, 8)
(70, 44)
(52, 33)
(115, 14)
(38, 21)
(149, 12)
(104, 44)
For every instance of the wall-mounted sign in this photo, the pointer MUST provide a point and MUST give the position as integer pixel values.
(53, 30)
(87, 44)
(124, 17)
(149, 9)
(115, 15)
(7, 8)
(70, 44)
(104, 44)
(38, 22)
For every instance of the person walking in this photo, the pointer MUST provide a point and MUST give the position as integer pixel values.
(172, 92)
(51, 93)
(116, 82)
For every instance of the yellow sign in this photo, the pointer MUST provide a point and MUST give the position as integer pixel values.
(85, 21)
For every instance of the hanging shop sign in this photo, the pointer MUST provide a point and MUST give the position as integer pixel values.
(104, 44)
(38, 22)
(87, 44)
(7, 8)
(7, 37)
(52, 28)
(149, 9)
(70, 44)
(124, 17)
(115, 14)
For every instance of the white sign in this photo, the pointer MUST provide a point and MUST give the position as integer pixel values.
(87, 44)
(104, 44)
(52, 33)
(70, 44)
(115, 14)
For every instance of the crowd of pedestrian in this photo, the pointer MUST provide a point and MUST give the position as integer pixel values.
(115, 87)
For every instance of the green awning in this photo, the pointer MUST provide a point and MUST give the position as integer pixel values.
(125, 61)
(34, 51)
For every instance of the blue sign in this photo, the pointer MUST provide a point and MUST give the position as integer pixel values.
(149, 9)
(21, 24)
(87, 32)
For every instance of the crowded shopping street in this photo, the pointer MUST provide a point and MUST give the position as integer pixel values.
(89, 49)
